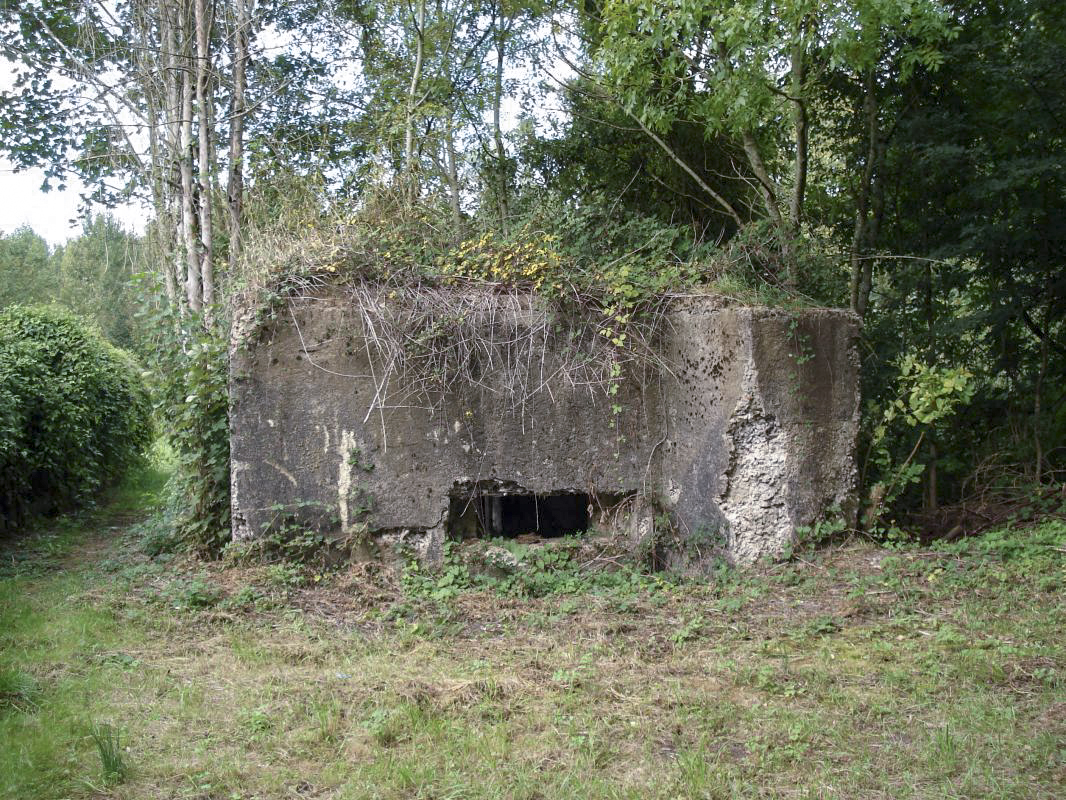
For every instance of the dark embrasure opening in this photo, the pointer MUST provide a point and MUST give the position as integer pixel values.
(488, 514)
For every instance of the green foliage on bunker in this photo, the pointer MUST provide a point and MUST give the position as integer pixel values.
(189, 386)
(200, 432)
(74, 414)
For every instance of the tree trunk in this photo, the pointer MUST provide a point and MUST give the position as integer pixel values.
(162, 225)
(800, 123)
(149, 29)
(769, 190)
(193, 281)
(930, 356)
(767, 187)
(412, 98)
(173, 77)
(205, 130)
(931, 499)
(1038, 445)
(238, 109)
(454, 194)
(861, 266)
(497, 132)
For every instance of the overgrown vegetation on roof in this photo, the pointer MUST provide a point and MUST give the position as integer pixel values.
(433, 298)
(595, 252)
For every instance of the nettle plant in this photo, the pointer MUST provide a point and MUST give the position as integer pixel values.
(926, 395)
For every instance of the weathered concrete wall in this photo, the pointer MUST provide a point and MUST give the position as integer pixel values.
(746, 432)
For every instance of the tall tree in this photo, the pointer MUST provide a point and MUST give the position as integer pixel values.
(751, 70)
(97, 270)
(27, 275)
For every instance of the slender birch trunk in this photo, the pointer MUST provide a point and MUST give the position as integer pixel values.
(412, 96)
(203, 20)
(238, 110)
(193, 279)
(152, 75)
(173, 157)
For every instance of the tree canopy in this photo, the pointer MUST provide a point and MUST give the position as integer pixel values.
(903, 158)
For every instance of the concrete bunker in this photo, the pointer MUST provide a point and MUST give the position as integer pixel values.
(492, 414)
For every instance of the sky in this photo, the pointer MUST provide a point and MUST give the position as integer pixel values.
(53, 215)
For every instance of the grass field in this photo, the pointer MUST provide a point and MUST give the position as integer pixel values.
(852, 672)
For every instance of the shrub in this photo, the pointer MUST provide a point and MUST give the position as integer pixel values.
(191, 370)
(73, 413)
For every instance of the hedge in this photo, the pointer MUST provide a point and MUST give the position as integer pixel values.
(74, 413)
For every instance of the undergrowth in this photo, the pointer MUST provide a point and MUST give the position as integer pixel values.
(516, 570)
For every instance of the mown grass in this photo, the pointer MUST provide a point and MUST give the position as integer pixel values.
(853, 672)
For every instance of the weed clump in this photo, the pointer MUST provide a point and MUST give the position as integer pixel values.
(18, 690)
(109, 745)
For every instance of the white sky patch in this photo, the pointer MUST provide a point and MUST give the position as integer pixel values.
(53, 215)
